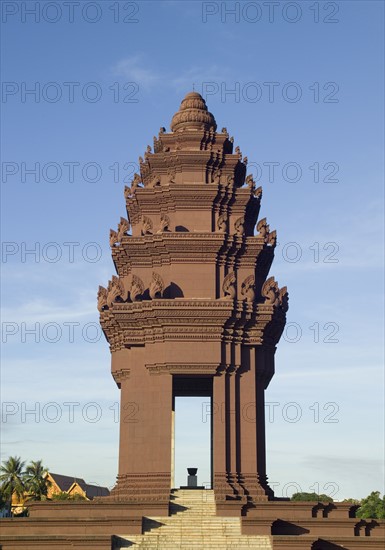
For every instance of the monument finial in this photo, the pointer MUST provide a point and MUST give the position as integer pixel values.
(193, 114)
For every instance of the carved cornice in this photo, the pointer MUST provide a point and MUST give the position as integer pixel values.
(183, 368)
(192, 320)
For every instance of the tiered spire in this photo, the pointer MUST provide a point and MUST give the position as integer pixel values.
(192, 294)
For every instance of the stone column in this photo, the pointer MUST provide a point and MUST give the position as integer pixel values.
(221, 447)
(264, 370)
(145, 435)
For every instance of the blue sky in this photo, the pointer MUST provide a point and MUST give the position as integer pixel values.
(306, 108)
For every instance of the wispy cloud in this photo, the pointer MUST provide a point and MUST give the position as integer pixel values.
(137, 69)
(43, 311)
(134, 69)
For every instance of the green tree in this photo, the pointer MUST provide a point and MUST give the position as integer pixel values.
(351, 501)
(36, 482)
(3, 500)
(11, 479)
(373, 506)
(307, 497)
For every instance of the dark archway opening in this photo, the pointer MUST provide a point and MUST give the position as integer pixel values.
(192, 439)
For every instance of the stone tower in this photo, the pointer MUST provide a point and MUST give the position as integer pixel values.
(192, 311)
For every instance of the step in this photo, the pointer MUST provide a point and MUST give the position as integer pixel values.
(196, 527)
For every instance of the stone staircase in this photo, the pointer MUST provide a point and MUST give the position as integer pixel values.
(193, 525)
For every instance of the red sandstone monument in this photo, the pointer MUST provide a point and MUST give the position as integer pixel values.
(192, 311)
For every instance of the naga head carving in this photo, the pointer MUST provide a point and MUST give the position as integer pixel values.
(239, 226)
(216, 176)
(115, 290)
(102, 298)
(164, 223)
(113, 238)
(156, 286)
(123, 227)
(155, 181)
(247, 289)
(270, 291)
(272, 238)
(146, 226)
(136, 289)
(228, 287)
(250, 182)
(222, 223)
(263, 229)
(171, 175)
(284, 299)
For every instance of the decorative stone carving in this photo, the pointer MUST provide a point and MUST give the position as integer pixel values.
(113, 238)
(263, 229)
(250, 182)
(216, 176)
(230, 180)
(270, 292)
(102, 298)
(129, 191)
(238, 152)
(164, 223)
(272, 238)
(228, 286)
(222, 223)
(115, 290)
(156, 286)
(193, 114)
(155, 181)
(171, 173)
(247, 288)
(239, 226)
(123, 227)
(245, 161)
(162, 130)
(136, 289)
(146, 226)
(284, 299)
(258, 193)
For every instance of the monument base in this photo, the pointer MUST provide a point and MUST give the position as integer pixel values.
(103, 523)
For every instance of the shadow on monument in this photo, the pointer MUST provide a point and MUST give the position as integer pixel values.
(281, 527)
(321, 544)
(325, 509)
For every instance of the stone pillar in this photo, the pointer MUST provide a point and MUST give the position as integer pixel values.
(145, 434)
(264, 370)
(219, 436)
(231, 427)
